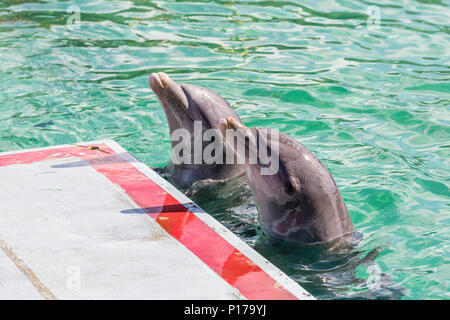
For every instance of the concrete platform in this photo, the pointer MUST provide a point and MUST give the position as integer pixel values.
(90, 221)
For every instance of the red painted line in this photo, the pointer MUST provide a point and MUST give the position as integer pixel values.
(224, 259)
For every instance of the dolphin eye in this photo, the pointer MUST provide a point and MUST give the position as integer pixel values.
(289, 189)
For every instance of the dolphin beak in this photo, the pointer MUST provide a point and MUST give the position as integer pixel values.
(231, 124)
(169, 91)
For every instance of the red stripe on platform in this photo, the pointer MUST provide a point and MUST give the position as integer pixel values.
(224, 259)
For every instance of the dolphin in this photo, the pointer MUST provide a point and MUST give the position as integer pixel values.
(300, 201)
(186, 105)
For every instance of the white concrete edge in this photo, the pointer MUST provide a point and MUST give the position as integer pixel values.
(279, 276)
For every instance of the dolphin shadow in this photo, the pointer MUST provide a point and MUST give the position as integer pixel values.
(123, 157)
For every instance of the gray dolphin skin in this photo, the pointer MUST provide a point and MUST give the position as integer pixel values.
(300, 202)
(183, 104)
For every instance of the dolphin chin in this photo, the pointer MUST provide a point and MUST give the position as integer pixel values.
(189, 107)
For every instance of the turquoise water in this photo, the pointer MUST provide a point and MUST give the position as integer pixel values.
(370, 99)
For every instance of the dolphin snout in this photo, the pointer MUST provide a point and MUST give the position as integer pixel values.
(154, 81)
(158, 80)
(231, 124)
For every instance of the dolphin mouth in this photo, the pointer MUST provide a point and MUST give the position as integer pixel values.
(290, 223)
(156, 82)
(169, 92)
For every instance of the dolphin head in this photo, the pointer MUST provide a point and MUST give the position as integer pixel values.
(185, 103)
(300, 201)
